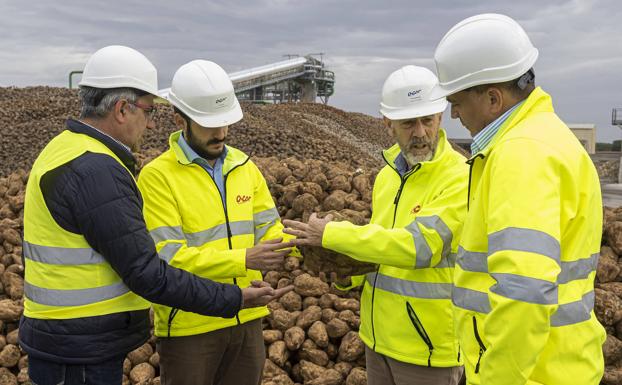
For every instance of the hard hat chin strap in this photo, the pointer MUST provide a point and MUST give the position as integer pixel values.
(526, 79)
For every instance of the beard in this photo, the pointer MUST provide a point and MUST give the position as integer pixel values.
(201, 148)
(413, 159)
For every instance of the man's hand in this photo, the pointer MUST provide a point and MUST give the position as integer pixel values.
(307, 234)
(268, 255)
(343, 281)
(260, 293)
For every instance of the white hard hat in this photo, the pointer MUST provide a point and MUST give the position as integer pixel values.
(118, 66)
(203, 91)
(406, 94)
(483, 49)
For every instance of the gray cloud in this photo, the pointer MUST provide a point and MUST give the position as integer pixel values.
(580, 42)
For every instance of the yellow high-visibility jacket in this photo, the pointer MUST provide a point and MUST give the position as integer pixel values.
(194, 231)
(524, 278)
(406, 310)
(64, 277)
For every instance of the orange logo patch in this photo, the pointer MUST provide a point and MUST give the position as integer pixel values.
(242, 199)
(415, 209)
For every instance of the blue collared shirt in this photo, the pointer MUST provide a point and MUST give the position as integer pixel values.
(215, 171)
(401, 164)
(483, 138)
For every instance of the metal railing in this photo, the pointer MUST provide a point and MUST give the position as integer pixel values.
(71, 77)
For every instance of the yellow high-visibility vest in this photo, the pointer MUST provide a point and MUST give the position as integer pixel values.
(64, 277)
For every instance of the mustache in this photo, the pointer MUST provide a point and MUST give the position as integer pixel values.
(416, 141)
(216, 141)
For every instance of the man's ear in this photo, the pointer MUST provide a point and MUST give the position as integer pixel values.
(120, 111)
(495, 98)
(180, 122)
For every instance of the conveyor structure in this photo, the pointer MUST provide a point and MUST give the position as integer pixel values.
(295, 79)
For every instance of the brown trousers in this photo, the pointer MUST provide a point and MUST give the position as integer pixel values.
(230, 356)
(383, 370)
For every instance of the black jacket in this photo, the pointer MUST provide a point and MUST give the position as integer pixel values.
(95, 196)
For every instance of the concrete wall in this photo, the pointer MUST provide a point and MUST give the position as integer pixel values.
(586, 133)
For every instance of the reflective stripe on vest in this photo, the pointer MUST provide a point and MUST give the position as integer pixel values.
(525, 289)
(570, 271)
(74, 297)
(422, 248)
(574, 312)
(168, 251)
(529, 240)
(470, 300)
(265, 219)
(566, 314)
(61, 255)
(426, 290)
(219, 232)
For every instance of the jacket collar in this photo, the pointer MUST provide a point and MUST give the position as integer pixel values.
(537, 101)
(233, 159)
(121, 152)
(393, 152)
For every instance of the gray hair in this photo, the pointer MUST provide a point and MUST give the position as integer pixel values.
(98, 102)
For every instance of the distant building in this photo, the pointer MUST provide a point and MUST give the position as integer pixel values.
(586, 133)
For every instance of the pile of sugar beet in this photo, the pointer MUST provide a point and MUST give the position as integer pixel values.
(315, 158)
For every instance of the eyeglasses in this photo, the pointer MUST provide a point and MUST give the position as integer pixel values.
(150, 111)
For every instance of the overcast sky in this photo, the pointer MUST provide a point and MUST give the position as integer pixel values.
(580, 42)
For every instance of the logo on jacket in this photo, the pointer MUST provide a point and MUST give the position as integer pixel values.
(415, 209)
(242, 199)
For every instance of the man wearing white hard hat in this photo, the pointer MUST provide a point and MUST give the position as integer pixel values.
(418, 209)
(210, 212)
(91, 267)
(524, 279)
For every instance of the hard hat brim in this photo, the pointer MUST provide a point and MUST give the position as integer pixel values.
(220, 119)
(119, 82)
(417, 111)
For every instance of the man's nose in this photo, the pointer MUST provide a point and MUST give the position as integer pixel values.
(220, 133)
(418, 129)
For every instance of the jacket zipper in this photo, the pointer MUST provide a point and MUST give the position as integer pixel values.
(223, 199)
(395, 203)
(224, 206)
(229, 233)
(420, 330)
(471, 162)
(482, 347)
(171, 315)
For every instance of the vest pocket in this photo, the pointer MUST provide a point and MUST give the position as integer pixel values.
(420, 330)
(482, 347)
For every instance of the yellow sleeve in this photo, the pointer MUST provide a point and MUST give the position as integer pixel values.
(523, 258)
(356, 281)
(165, 226)
(426, 242)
